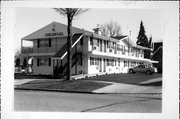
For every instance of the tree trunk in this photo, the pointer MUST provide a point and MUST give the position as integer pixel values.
(69, 48)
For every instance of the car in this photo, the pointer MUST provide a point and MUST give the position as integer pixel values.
(143, 69)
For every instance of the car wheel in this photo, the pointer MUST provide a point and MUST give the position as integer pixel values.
(148, 72)
(131, 71)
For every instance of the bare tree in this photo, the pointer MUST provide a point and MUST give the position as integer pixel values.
(70, 13)
(111, 29)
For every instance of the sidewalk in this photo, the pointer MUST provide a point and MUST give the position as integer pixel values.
(127, 88)
(151, 81)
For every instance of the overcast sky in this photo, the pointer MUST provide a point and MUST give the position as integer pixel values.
(28, 20)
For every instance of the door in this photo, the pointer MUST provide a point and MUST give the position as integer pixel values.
(104, 46)
(100, 45)
(104, 65)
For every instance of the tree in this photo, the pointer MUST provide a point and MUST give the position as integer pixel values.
(70, 13)
(147, 53)
(142, 38)
(150, 42)
(110, 29)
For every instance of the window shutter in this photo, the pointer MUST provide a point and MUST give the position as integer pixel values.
(49, 61)
(49, 42)
(38, 42)
(81, 41)
(37, 61)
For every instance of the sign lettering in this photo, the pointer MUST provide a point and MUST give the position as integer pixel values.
(54, 34)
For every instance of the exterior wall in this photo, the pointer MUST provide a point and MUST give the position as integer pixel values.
(56, 44)
(110, 47)
(43, 70)
(105, 64)
(86, 43)
(98, 64)
(86, 63)
(118, 65)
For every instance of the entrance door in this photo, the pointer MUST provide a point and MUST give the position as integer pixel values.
(100, 64)
(104, 46)
(104, 65)
(100, 45)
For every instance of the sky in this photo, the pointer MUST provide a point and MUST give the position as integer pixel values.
(28, 20)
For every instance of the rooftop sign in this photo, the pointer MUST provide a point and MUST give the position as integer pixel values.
(54, 34)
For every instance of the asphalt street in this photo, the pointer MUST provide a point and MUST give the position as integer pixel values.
(82, 102)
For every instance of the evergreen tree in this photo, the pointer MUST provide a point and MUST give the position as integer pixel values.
(150, 42)
(148, 52)
(142, 38)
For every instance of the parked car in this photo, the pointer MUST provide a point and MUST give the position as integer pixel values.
(143, 69)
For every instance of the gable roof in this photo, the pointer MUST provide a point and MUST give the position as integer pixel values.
(61, 31)
(129, 42)
(53, 29)
(119, 37)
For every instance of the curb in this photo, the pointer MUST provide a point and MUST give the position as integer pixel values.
(157, 83)
(85, 92)
(54, 90)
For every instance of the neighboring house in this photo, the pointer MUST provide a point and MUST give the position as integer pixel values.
(157, 55)
(91, 52)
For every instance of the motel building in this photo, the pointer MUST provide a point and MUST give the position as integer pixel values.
(92, 53)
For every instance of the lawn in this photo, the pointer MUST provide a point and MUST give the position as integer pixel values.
(86, 84)
(125, 78)
(55, 85)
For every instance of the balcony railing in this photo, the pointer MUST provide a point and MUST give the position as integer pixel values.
(27, 50)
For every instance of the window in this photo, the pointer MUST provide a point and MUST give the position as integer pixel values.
(118, 47)
(49, 61)
(95, 41)
(112, 62)
(111, 45)
(91, 40)
(81, 41)
(132, 51)
(49, 42)
(121, 47)
(133, 64)
(98, 42)
(119, 62)
(108, 63)
(108, 44)
(91, 61)
(94, 61)
(38, 42)
(43, 61)
(44, 43)
(125, 63)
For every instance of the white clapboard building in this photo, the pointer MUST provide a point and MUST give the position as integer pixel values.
(92, 53)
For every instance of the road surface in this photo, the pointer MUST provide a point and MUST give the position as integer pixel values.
(78, 102)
